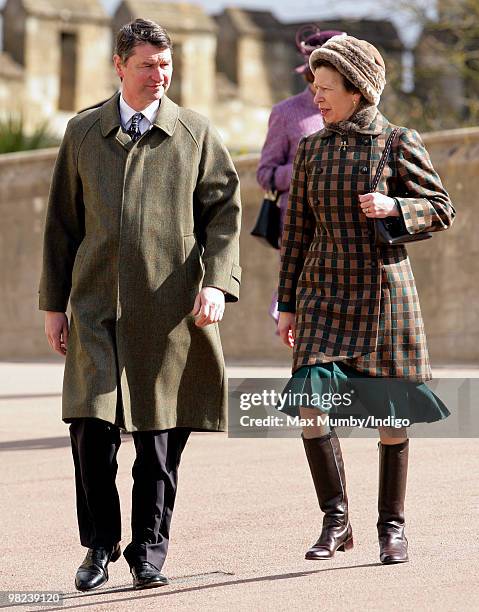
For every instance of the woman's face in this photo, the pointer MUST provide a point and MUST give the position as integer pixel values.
(334, 101)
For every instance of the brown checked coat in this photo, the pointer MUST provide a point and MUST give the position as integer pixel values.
(133, 231)
(354, 301)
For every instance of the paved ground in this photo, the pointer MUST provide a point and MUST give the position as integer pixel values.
(245, 513)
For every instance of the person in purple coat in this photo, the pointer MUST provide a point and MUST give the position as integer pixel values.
(290, 120)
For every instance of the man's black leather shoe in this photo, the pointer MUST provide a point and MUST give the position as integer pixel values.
(147, 576)
(93, 572)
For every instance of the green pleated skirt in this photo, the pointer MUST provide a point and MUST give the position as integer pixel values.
(340, 391)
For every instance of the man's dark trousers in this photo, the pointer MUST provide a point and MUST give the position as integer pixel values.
(95, 445)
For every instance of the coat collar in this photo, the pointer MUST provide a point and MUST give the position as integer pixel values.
(366, 120)
(166, 118)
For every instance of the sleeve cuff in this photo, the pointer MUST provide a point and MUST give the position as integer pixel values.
(230, 285)
(49, 304)
(285, 307)
(416, 213)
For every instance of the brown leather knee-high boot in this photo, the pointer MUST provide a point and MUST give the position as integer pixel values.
(393, 462)
(327, 469)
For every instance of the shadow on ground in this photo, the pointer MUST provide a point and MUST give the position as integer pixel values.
(41, 443)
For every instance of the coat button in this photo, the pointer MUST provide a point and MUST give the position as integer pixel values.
(364, 170)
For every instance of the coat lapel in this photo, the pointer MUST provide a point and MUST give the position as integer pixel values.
(167, 116)
(110, 120)
(110, 115)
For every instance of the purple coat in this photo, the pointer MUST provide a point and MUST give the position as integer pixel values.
(290, 120)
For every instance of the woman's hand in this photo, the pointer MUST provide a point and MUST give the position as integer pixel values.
(286, 325)
(377, 206)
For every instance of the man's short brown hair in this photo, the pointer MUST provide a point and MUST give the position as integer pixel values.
(140, 31)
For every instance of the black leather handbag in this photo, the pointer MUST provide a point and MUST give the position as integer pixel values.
(392, 230)
(267, 226)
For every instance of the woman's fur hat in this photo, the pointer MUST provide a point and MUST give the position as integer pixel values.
(359, 61)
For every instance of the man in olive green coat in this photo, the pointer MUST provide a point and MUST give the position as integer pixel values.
(142, 237)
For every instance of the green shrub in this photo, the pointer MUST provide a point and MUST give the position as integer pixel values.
(14, 138)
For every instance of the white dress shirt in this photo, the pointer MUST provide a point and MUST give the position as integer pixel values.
(149, 115)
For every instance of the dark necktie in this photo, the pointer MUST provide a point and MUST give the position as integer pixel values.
(134, 130)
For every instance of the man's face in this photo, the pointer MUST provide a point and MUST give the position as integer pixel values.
(146, 74)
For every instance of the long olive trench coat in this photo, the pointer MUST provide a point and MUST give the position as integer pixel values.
(354, 301)
(133, 231)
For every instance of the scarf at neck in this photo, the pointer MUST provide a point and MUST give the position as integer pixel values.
(360, 120)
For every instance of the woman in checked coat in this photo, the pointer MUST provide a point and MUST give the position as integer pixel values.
(349, 306)
(290, 119)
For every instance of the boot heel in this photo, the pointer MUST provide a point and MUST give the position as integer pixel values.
(346, 545)
(115, 555)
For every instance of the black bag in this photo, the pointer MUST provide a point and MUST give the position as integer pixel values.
(392, 230)
(267, 226)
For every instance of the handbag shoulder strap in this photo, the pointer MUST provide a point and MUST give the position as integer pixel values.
(394, 135)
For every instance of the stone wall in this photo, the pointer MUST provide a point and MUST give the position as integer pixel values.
(11, 87)
(24, 184)
(446, 267)
(34, 42)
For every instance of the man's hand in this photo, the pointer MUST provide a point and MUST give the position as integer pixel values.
(378, 206)
(286, 325)
(56, 330)
(209, 306)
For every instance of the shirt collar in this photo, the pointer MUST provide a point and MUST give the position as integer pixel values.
(166, 117)
(126, 112)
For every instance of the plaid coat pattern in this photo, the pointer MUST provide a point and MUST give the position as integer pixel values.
(355, 301)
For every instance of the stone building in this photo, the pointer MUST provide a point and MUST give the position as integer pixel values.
(11, 84)
(194, 36)
(254, 55)
(57, 59)
(63, 49)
